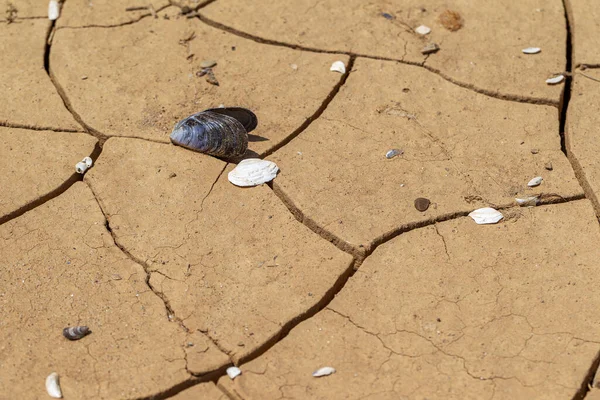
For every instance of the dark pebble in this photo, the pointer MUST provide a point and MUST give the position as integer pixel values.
(387, 16)
(422, 204)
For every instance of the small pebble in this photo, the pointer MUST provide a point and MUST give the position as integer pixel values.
(83, 78)
(430, 48)
(208, 64)
(534, 151)
(387, 16)
(422, 204)
(294, 67)
(548, 166)
(393, 153)
(423, 30)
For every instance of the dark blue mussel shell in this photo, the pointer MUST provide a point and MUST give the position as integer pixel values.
(220, 132)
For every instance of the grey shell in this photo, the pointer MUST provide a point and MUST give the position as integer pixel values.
(76, 332)
(220, 132)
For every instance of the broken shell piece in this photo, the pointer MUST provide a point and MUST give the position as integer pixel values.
(338, 66)
(423, 30)
(531, 50)
(430, 48)
(548, 166)
(81, 167)
(253, 172)
(232, 372)
(531, 201)
(535, 181)
(88, 161)
(53, 10)
(323, 372)
(208, 64)
(53, 386)
(486, 215)
(555, 80)
(76, 332)
(393, 153)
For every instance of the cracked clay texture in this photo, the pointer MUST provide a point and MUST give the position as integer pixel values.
(180, 275)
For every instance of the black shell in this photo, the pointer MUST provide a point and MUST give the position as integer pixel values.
(220, 132)
(76, 332)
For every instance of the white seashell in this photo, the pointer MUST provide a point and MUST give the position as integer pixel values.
(232, 372)
(323, 372)
(555, 80)
(81, 167)
(531, 50)
(53, 10)
(338, 66)
(535, 181)
(253, 172)
(53, 387)
(527, 201)
(393, 153)
(486, 215)
(423, 30)
(88, 161)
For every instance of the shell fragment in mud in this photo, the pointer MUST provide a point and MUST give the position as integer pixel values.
(430, 48)
(76, 332)
(53, 386)
(486, 215)
(554, 80)
(253, 172)
(338, 66)
(531, 50)
(527, 201)
(220, 132)
(324, 371)
(393, 153)
(535, 181)
(233, 372)
(423, 30)
(53, 10)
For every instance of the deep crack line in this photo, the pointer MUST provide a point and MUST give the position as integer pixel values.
(495, 95)
(7, 124)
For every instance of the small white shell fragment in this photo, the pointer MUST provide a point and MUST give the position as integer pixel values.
(530, 201)
(393, 153)
(232, 372)
(486, 215)
(53, 387)
(88, 161)
(555, 80)
(294, 67)
(253, 172)
(338, 66)
(531, 50)
(53, 10)
(423, 30)
(535, 181)
(324, 371)
(81, 167)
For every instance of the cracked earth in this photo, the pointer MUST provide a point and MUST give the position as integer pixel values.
(180, 274)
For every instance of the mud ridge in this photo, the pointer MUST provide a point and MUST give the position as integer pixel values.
(316, 114)
(496, 95)
(313, 226)
(59, 90)
(133, 21)
(589, 378)
(50, 195)
(7, 124)
(564, 108)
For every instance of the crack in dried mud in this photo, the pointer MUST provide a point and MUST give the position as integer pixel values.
(489, 93)
(7, 124)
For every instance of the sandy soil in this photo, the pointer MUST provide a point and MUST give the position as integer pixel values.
(180, 275)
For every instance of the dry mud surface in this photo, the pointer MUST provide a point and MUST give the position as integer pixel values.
(181, 275)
